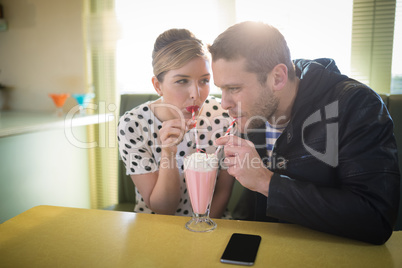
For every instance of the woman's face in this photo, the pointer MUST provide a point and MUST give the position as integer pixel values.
(185, 88)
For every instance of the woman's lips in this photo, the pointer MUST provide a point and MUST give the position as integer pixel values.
(194, 108)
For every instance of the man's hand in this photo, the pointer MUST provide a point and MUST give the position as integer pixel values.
(245, 164)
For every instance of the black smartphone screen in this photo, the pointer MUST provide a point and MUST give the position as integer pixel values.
(241, 249)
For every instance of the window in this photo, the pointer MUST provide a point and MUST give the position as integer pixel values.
(396, 82)
(313, 29)
(372, 41)
(142, 22)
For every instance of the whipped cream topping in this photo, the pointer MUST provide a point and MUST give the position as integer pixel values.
(201, 162)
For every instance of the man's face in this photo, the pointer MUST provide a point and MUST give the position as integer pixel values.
(251, 103)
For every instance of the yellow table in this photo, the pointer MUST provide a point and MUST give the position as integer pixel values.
(47, 236)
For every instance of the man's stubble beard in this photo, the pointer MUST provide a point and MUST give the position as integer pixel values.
(263, 110)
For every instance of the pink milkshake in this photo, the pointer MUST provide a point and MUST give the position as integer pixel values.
(200, 172)
(200, 186)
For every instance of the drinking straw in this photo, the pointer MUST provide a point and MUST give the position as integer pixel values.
(195, 130)
(227, 133)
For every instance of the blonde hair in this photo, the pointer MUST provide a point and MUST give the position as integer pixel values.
(173, 49)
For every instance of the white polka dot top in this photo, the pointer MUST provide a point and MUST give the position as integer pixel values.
(139, 144)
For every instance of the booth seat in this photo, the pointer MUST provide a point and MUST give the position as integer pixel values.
(126, 193)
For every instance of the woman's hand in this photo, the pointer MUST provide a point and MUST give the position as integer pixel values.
(172, 133)
(161, 189)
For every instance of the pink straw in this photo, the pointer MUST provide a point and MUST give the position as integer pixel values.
(227, 133)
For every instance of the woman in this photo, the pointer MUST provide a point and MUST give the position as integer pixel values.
(155, 136)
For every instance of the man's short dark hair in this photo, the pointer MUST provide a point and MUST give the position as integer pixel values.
(262, 45)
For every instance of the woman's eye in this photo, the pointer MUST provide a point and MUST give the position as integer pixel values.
(182, 81)
(205, 81)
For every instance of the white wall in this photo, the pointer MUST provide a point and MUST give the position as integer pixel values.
(42, 51)
(43, 168)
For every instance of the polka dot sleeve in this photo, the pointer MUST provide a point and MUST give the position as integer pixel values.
(135, 141)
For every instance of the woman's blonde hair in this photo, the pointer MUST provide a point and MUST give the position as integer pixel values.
(173, 49)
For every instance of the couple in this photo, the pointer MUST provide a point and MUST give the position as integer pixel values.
(327, 157)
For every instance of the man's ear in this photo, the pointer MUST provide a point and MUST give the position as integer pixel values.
(157, 85)
(279, 76)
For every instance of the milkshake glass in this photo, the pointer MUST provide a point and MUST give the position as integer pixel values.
(200, 171)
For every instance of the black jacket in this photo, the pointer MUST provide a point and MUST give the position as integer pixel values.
(335, 165)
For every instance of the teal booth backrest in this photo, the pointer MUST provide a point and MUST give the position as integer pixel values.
(395, 109)
(129, 101)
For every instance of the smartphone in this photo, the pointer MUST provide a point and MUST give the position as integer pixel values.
(241, 249)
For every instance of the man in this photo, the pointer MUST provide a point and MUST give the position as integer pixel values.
(317, 148)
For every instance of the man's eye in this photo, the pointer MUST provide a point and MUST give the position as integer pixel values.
(233, 88)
